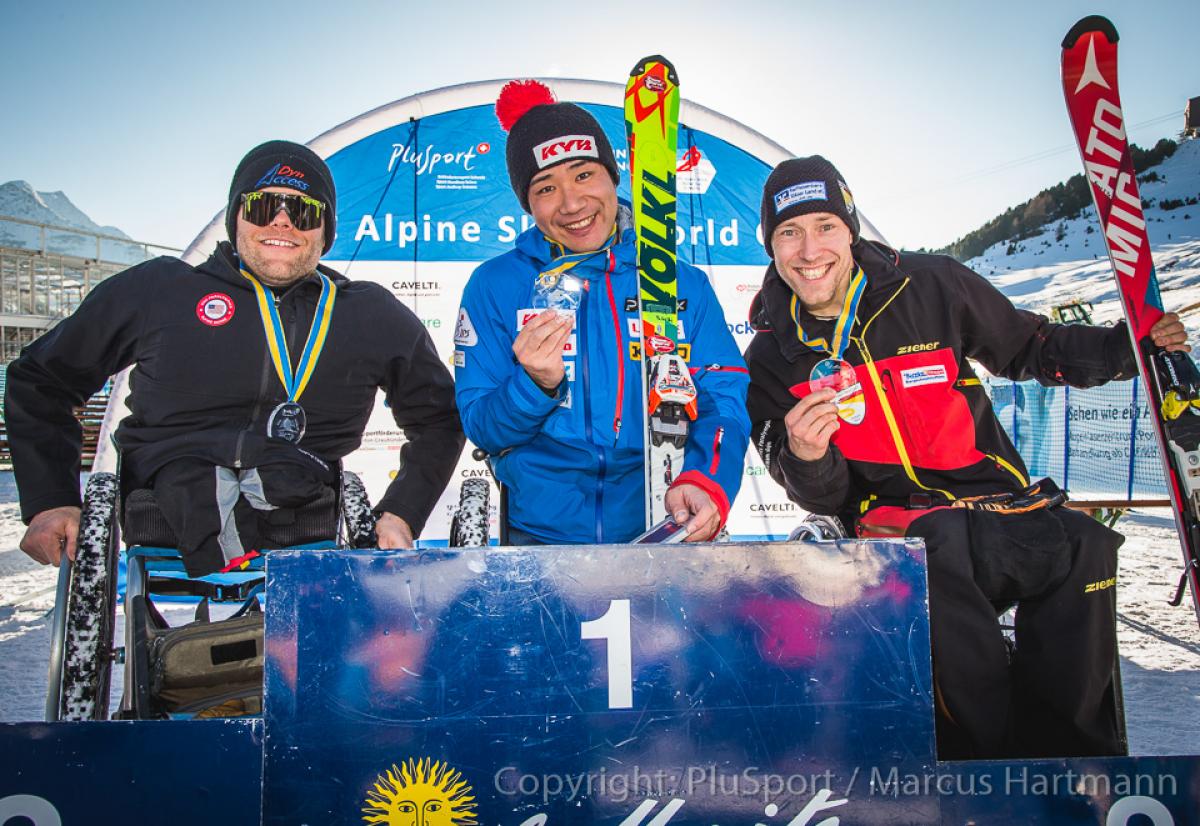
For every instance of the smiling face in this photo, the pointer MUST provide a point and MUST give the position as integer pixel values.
(813, 256)
(279, 254)
(575, 204)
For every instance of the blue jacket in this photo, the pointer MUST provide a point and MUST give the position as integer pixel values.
(573, 463)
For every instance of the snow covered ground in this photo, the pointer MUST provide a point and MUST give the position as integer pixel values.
(1068, 262)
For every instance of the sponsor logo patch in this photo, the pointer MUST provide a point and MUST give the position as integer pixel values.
(799, 193)
(561, 148)
(918, 348)
(917, 376)
(283, 175)
(847, 197)
(635, 328)
(464, 330)
(215, 309)
(684, 351)
(631, 304)
(661, 344)
(460, 358)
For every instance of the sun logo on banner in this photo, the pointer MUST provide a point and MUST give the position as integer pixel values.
(420, 793)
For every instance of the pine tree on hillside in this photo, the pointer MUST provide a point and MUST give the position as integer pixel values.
(1058, 203)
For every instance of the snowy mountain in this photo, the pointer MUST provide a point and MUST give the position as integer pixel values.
(20, 200)
(1067, 260)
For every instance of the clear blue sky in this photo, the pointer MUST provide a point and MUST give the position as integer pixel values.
(939, 114)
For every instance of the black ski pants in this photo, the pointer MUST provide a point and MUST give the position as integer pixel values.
(1057, 696)
(218, 514)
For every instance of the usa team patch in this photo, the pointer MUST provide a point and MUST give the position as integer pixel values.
(799, 193)
(215, 309)
(917, 376)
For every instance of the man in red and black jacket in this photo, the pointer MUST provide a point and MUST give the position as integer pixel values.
(864, 404)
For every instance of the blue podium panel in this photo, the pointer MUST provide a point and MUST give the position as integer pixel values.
(177, 772)
(713, 684)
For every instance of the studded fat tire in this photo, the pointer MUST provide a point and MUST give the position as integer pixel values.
(817, 527)
(91, 607)
(356, 512)
(469, 528)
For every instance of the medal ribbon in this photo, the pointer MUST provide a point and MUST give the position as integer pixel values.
(845, 320)
(294, 383)
(548, 279)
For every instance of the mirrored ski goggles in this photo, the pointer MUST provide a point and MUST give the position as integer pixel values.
(260, 209)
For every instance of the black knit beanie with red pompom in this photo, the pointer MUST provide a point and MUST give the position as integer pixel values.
(543, 133)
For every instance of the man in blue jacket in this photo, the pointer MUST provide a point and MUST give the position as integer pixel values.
(556, 395)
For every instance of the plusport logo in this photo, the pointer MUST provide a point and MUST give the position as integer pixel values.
(429, 158)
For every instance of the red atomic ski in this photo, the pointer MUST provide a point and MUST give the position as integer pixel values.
(1172, 382)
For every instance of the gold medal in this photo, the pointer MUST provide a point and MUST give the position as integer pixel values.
(838, 375)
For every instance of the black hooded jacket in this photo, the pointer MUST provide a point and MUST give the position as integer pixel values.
(204, 387)
(928, 427)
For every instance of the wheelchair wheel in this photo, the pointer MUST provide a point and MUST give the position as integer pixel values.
(469, 528)
(89, 608)
(356, 511)
(817, 528)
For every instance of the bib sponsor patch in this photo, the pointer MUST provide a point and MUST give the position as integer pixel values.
(464, 330)
(799, 193)
(917, 376)
(460, 358)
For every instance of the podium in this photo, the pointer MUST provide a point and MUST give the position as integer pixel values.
(764, 684)
(732, 683)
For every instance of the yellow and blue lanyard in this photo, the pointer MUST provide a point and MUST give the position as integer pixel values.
(844, 324)
(548, 279)
(294, 382)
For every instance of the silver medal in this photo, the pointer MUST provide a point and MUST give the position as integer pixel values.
(286, 423)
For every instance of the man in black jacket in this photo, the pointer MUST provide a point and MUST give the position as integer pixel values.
(254, 373)
(864, 405)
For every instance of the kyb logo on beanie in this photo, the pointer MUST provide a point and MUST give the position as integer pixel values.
(283, 175)
(799, 193)
(567, 146)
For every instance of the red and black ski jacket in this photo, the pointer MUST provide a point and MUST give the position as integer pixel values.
(929, 429)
